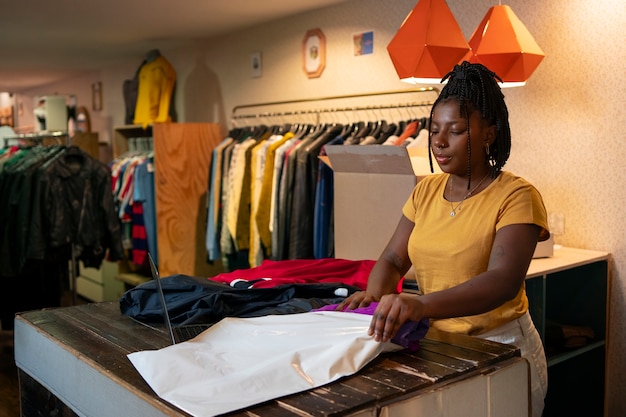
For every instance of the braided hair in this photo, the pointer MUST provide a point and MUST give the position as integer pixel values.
(476, 88)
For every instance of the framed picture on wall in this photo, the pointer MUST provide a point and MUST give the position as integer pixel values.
(96, 96)
(255, 64)
(363, 43)
(314, 53)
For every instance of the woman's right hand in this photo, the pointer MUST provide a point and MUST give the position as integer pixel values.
(359, 299)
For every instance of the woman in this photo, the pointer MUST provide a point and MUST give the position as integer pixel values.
(469, 233)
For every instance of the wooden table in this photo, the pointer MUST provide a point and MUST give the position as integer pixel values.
(73, 360)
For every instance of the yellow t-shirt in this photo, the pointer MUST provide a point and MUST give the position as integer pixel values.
(447, 251)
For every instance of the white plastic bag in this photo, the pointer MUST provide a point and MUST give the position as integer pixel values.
(240, 362)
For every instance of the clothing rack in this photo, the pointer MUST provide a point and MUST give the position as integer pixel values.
(61, 137)
(297, 130)
(242, 113)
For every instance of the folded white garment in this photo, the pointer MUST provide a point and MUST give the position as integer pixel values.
(240, 362)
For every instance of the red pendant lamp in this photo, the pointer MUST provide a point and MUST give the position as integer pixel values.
(428, 44)
(502, 43)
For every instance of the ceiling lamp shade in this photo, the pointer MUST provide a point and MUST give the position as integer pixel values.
(502, 43)
(428, 44)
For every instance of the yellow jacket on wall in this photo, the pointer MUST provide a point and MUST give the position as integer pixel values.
(156, 84)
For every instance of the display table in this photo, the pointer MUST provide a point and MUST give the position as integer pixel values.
(72, 361)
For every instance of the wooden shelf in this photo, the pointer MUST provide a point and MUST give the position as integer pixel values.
(182, 157)
(564, 258)
(564, 356)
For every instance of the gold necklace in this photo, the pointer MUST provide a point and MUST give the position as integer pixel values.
(458, 207)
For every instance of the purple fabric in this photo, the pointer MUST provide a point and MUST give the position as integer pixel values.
(409, 334)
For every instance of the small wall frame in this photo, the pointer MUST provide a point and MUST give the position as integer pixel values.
(96, 96)
(314, 53)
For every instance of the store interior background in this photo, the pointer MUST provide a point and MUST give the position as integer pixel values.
(567, 122)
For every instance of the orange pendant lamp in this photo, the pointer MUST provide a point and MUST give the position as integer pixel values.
(428, 44)
(502, 43)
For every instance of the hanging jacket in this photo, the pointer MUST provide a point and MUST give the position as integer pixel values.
(76, 208)
(157, 79)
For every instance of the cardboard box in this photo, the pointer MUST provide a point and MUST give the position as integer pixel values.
(371, 184)
(545, 249)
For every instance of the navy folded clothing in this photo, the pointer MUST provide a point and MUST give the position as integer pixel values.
(195, 300)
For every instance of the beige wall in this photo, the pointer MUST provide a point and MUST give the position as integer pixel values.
(567, 122)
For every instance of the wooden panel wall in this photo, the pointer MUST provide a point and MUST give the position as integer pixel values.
(88, 142)
(182, 153)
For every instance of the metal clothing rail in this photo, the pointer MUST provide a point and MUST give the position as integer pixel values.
(317, 111)
(39, 137)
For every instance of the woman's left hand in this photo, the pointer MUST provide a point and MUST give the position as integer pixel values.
(392, 312)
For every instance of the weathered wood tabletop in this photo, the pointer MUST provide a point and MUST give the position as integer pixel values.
(99, 336)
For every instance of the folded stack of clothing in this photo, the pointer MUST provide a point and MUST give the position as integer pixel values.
(563, 336)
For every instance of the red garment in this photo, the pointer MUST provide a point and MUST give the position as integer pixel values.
(303, 271)
(409, 130)
(138, 236)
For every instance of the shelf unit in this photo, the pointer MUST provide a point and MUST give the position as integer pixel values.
(128, 274)
(571, 288)
(99, 284)
(182, 157)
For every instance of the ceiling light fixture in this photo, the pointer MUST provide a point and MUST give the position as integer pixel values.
(502, 43)
(428, 44)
